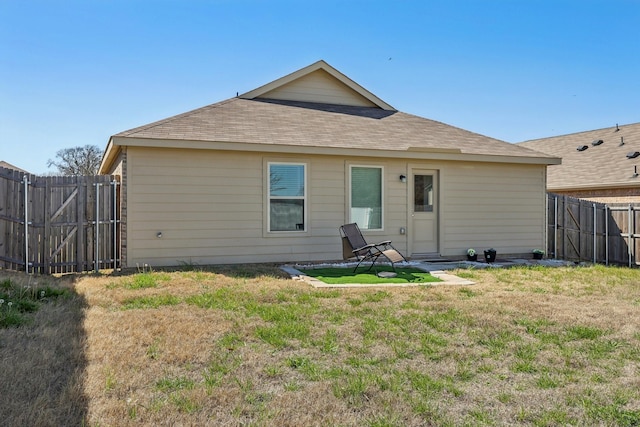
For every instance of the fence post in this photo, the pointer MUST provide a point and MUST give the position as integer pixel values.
(25, 182)
(606, 234)
(629, 233)
(97, 240)
(595, 231)
(555, 228)
(114, 187)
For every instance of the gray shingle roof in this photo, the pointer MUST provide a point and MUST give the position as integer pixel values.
(599, 166)
(294, 123)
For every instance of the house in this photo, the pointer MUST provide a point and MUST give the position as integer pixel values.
(270, 175)
(601, 165)
(6, 165)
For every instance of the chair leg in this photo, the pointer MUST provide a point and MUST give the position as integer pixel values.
(373, 260)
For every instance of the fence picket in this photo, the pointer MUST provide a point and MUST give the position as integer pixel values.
(581, 230)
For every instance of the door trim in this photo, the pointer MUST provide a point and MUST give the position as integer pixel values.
(426, 170)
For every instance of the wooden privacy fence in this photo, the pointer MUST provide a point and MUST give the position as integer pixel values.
(58, 224)
(580, 230)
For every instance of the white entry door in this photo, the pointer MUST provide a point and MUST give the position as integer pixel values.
(424, 211)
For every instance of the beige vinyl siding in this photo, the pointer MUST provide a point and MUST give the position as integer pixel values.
(191, 197)
(319, 86)
(492, 205)
(210, 207)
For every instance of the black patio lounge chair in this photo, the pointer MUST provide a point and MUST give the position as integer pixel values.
(355, 246)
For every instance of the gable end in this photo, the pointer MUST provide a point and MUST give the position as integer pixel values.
(319, 87)
(318, 83)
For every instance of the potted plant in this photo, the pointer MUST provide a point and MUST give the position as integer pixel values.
(538, 253)
(472, 255)
(490, 255)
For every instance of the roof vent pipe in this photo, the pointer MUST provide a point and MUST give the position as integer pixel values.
(635, 171)
(621, 141)
(617, 128)
(582, 147)
(633, 154)
(597, 142)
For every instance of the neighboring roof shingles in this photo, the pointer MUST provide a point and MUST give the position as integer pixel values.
(600, 166)
(261, 121)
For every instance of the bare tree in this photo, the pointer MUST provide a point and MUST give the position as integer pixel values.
(78, 160)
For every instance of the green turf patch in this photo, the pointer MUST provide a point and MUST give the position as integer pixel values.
(340, 275)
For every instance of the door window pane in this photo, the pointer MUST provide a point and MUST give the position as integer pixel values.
(366, 197)
(423, 193)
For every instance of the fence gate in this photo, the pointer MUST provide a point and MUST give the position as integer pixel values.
(58, 224)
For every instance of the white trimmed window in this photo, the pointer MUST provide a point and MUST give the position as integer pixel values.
(287, 196)
(366, 196)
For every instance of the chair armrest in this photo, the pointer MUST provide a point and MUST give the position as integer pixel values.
(384, 242)
(369, 246)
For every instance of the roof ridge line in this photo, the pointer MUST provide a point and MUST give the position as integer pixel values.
(620, 126)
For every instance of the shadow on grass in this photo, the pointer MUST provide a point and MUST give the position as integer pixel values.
(42, 362)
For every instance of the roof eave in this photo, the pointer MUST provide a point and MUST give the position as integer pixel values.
(600, 186)
(108, 157)
(434, 153)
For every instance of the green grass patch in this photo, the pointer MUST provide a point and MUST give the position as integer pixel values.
(223, 298)
(580, 332)
(142, 281)
(339, 275)
(280, 334)
(168, 384)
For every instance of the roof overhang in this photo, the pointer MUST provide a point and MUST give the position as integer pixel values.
(422, 153)
(109, 156)
(601, 186)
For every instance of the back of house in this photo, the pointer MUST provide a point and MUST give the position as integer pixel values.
(270, 175)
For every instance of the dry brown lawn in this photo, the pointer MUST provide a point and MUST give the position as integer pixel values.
(244, 345)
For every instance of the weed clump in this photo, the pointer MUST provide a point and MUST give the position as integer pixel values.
(18, 300)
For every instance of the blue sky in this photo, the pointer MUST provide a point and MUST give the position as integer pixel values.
(76, 72)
